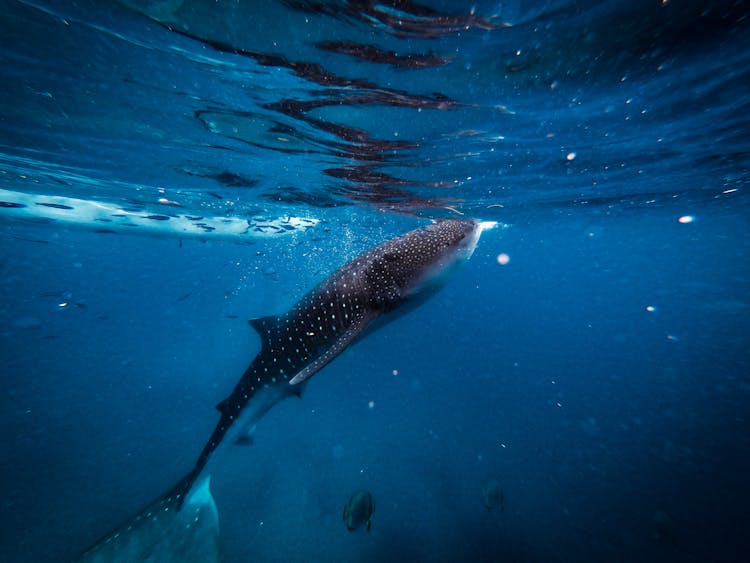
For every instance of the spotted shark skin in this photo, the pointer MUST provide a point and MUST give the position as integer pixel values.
(158, 534)
(300, 342)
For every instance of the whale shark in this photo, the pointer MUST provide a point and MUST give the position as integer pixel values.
(189, 535)
(396, 275)
(299, 343)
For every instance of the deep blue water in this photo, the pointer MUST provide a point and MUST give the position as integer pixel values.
(601, 376)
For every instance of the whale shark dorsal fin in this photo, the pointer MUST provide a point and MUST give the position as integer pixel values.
(263, 325)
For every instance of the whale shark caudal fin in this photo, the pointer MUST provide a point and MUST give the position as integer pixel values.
(168, 530)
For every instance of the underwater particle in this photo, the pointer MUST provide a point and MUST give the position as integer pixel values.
(359, 510)
(503, 259)
(371, 405)
(570, 156)
(395, 372)
(650, 308)
(492, 495)
(590, 426)
(685, 219)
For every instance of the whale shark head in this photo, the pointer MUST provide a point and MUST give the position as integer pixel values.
(465, 236)
(420, 261)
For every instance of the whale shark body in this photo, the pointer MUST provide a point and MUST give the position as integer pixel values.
(299, 343)
(159, 534)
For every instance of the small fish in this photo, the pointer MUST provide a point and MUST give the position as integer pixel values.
(52, 293)
(359, 510)
(54, 205)
(492, 495)
(36, 240)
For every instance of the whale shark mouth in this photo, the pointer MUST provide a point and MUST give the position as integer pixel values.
(486, 225)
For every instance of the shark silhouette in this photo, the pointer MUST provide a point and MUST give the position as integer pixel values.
(299, 343)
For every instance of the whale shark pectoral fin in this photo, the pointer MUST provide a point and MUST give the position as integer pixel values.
(247, 435)
(245, 439)
(338, 346)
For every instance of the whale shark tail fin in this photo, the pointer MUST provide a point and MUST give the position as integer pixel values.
(182, 525)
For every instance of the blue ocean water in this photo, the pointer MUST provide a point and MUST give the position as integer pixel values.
(172, 168)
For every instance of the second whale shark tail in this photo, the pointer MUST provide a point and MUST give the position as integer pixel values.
(180, 526)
